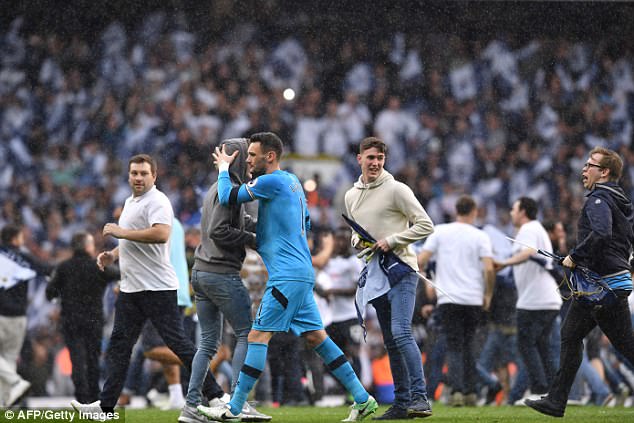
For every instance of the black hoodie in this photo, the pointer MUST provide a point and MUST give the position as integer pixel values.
(225, 230)
(605, 235)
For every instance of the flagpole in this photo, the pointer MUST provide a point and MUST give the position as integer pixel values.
(436, 287)
(368, 250)
(542, 252)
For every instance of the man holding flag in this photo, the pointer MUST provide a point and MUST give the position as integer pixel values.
(604, 245)
(390, 212)
(16, 269)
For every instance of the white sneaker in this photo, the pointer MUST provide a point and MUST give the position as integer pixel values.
(91, 411)
(219, 402)
(17, 391)
(250, 414)
(221, 413)
(190, 414)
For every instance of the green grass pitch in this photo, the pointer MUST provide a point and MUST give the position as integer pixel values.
(441, 414)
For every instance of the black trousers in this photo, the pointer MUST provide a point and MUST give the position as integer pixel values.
(83, 339)
(286, 368)
(534, 329)
(131, 312)
(460, 323)
(614, 320)
(348, 335)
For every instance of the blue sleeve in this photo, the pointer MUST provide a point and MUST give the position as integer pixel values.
(264, 187)
(261, 188)
(306, 213)
(228, 194)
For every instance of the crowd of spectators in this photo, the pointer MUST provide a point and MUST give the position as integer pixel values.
(497, 118)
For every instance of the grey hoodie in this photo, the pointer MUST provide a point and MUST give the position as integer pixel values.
(388, 209)
(225, 230)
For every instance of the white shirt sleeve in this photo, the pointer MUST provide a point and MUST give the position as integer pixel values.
(160, 212)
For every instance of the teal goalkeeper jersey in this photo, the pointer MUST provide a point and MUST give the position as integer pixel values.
(282, 223)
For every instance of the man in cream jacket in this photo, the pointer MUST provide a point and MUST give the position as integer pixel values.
(390, 212)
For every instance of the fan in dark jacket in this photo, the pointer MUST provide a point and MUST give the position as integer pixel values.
(605, 238)
(81, 286)
(17, 268)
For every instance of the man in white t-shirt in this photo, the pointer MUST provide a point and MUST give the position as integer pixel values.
(148, 285)
(538, 301)
(343, 270)
(465, 278)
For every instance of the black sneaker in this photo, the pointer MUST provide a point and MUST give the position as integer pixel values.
(546, 406)
(394, 413)
(420, 407)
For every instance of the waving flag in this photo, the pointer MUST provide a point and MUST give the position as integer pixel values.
(12, 272)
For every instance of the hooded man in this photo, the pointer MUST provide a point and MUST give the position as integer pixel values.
(219, 291)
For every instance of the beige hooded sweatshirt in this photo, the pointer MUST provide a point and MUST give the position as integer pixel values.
(388, 209)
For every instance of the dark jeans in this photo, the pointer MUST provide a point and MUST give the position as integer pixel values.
(500, 349)
(348, 335)
(534, 329)
(286, 368)
(83, 339)
(435, 362)
(131, 312)
(460, 323)
(615, 322)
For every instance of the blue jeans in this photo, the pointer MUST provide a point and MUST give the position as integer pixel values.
(590, 375)
(394, 311)
(498, 351)
(218, 295)
(435, 362)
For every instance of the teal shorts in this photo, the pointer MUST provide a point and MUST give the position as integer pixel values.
(288, 306)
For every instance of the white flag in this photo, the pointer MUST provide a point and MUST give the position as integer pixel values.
(11, 273)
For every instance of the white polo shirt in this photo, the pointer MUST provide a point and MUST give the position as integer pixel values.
(458, 249)
(146, 267)
(536, 288)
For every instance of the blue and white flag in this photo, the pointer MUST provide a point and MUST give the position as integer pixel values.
(12, 272)
(372, 283)
(382, 271)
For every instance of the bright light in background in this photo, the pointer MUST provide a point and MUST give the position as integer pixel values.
(310, 185)
(288, 94)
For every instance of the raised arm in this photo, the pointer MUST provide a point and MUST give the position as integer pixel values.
(227, 193)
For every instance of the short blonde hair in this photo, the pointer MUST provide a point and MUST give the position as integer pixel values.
(609, 160)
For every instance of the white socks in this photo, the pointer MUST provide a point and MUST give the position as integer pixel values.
(176, 395)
